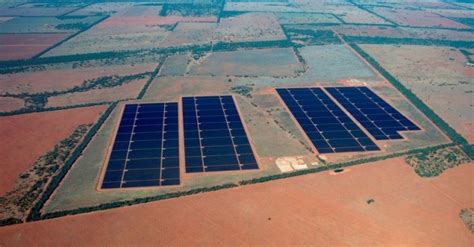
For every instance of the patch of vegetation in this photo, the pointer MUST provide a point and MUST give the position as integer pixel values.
(72, 26)
(244, 90)
(370, 201)
(56, 178)
(434, 163)
(304, 37)
(467, 217)
(448, 130)
(16, 204)
(189, 9)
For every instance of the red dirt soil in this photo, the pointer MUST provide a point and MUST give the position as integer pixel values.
(23, 46)
(26, 137)
(319, 209)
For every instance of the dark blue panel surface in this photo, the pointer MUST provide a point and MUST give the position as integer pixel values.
(146, 148)
(325, 124)
(214, 136)
(380, 119)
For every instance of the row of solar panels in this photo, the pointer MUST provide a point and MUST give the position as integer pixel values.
(146, 147)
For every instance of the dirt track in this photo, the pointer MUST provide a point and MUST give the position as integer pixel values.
(320, 209)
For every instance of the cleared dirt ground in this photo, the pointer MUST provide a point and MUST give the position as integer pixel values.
(319, 209)
(23, 46)
(438, 75)
(26, 137)
(256, 62)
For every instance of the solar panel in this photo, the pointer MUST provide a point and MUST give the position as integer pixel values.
(214, 137)
(146, 147)
(325, 124)
(380, 119)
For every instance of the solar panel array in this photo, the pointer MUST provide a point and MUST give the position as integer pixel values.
(214, 137)
(326, 125)
(380, 119)
(146, 148)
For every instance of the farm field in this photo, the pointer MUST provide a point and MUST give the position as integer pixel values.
(35, 11)
(249, 27)
(47, 24)
(26, 137)
(23, 46)
(190, 33)
(65, 77)
(305, 18)
(438, 75)
(175, 65)
(395, 215)
(418, 18)
(122, 33)
(259, 62)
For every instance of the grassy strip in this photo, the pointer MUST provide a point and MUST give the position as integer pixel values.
(136, 201)
(35, 212)
(150, 80)
(407, 41)
(450, 132)
(232, 185)
(28, 110)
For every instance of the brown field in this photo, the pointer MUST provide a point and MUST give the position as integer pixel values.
(438, 75)
(256, 62)
(23, 46)
(115, 34)
(418, 18)
(319, 209)
(26, 137)
(60, 79)
(102, 8)
(249, 27)
(190, 33)
(10, 104)
(127, 91)
(140, 11)
(36, 11)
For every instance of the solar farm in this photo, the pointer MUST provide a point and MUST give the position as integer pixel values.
(146, 147)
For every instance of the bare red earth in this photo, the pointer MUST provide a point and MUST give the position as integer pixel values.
(323, 209)
(24, 138)
(23, 46)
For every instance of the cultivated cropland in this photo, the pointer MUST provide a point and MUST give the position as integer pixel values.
(236, 123)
